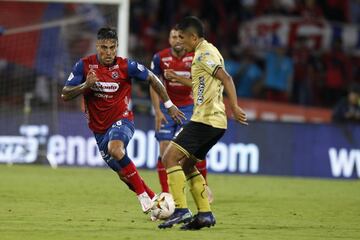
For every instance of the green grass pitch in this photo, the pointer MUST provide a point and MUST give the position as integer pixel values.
(37, 202)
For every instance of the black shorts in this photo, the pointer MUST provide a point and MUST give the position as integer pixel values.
(196, 139)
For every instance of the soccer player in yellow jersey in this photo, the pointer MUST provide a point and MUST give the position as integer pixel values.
(207, 125)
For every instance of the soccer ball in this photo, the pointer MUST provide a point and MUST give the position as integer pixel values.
(164, 207)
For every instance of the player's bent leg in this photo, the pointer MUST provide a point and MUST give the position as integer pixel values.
(125, 180)
(129, 171)
(197, 185)
(176, 176)
(148, 190)
(176, 181)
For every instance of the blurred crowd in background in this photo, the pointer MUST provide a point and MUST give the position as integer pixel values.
(297, 74)
(306, 77)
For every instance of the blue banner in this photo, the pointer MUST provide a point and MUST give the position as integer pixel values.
(270, 148)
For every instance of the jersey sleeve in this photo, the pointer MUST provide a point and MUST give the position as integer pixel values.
(210, 62)
(137, 70)
(155, 65)
(76, 77)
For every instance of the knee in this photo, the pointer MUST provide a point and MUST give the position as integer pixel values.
(116, 153)
(172, 157)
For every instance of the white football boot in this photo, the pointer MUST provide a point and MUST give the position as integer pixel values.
(145, 202)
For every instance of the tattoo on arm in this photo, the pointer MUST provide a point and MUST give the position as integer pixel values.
(158, 86)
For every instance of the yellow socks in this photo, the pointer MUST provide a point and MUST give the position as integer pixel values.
(177, 183)
(197, 188)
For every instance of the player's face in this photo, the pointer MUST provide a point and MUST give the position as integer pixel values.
(174, 41)
(188, 40)
(106, 50)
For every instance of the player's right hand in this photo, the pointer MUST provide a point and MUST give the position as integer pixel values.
(159, 119)
(239, 115)
(176, 114)
(91, 78)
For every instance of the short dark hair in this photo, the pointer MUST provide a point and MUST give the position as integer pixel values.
(192, 22)
(107, 33)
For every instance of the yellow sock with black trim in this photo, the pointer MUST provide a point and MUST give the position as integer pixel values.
(177, 183)
(197, 188)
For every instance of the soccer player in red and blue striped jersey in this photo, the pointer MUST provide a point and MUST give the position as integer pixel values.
(104, 80)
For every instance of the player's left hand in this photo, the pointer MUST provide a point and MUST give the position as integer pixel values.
(176, 114)
(239, 115)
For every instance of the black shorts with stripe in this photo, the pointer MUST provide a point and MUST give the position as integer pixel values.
(196, 139)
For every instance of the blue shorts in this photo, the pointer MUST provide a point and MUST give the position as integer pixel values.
(169, 130)
(121, 130)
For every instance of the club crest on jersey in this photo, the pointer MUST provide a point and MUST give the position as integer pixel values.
(115, 75)
(210, 63)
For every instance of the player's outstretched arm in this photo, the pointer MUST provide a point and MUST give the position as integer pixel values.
(239, 114)
(159, 88)
(71, 92)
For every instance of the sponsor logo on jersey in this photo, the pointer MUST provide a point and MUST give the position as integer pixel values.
(105, 87)
(188, 58)
(115, 75)
(176, 84)
(166, 59)
(114, 67)
(103, 95)
(93, 66)
(140, 67)
(186, 74)
(200, 98)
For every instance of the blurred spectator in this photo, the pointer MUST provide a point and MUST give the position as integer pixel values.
(279, 70)
(302, 87)
(354, 11)
(247, 76)
(337, 73)
(348, 108)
